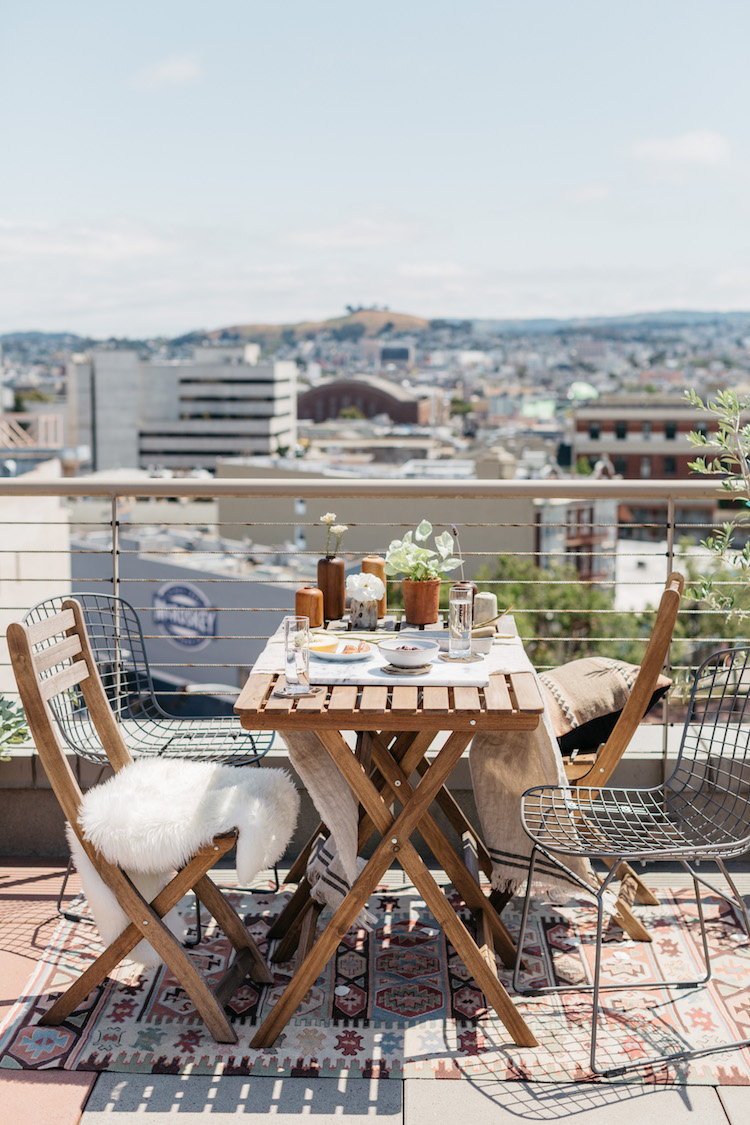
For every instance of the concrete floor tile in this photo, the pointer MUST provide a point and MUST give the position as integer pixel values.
(43, 1097)
(119, 1098)
(488, 1102)
(736, 1102)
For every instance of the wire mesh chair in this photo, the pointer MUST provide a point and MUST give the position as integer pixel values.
(147, 729)
(702, 812)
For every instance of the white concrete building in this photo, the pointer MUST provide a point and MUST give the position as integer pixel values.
(179, 414)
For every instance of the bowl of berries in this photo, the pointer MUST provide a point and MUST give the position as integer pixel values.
(410, 653)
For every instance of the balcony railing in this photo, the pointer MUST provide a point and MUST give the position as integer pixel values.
(237, 549)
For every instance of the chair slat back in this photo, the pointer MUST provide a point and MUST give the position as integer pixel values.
(53, 659)
(632, 713)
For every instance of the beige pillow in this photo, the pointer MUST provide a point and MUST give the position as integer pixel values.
(585, 698)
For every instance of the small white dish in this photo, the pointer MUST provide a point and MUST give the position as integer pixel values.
(408, 652)
(338, 654)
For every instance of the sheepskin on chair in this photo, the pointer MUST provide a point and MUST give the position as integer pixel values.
(154, 814)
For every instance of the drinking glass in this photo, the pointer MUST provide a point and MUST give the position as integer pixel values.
(296, 656)
(459, 622)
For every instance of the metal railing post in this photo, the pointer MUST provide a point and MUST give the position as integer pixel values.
(671, 517)
(117, 654)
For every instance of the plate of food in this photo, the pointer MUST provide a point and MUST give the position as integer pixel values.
(342, 651)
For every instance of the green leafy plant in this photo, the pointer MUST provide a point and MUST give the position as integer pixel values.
(726, 454)
(13, 728)
(406, 557)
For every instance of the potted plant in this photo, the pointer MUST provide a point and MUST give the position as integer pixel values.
(423, 569)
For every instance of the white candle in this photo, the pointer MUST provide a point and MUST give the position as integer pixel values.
(485, 608)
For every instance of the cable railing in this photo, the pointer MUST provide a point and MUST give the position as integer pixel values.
(225, 556)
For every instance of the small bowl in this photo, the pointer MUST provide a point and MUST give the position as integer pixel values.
(408, 652)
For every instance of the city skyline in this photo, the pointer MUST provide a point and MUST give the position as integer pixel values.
(171, 168)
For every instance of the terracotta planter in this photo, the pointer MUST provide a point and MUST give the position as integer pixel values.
(331, 581)
(421, 601)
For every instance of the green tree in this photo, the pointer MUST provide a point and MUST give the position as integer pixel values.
(351, 413)
(561, 618)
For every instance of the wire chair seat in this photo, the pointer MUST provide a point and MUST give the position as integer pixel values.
(701, 812)
(633, 822)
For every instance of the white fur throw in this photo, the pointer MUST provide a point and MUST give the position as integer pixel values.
(152, 816)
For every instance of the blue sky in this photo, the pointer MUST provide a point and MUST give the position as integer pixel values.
(168, 166)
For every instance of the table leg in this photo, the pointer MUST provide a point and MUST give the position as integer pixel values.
(412, 816)
(462, 879)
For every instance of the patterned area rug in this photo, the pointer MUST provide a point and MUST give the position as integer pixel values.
(398, 1002)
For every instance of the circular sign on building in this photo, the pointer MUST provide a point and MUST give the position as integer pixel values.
(184, 615)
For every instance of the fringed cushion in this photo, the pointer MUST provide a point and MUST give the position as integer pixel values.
(585, 698)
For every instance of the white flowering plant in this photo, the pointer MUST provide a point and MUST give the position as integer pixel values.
(365, 587)
(420, 564)
(335, 529)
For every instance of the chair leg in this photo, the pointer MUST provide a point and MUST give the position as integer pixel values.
(68, 914)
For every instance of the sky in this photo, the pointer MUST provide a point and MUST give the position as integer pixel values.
(166, 166)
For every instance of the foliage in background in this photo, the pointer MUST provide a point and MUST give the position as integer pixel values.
(567, 620)
(13, 728)
(726, 455)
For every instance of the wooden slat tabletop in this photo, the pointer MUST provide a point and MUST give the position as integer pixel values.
(511, 701)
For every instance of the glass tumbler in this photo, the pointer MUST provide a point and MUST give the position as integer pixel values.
(459, 622)
(296, 655)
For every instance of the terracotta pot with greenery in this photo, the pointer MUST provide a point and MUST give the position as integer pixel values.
(423, 570)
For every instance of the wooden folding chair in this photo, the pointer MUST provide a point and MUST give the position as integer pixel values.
(51, 657)
(593, 770)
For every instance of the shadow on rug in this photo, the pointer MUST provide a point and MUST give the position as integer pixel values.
(398, 1003)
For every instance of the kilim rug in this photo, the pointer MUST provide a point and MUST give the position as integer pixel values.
(397, 1002)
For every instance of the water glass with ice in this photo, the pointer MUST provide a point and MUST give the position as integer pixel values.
(459, 622)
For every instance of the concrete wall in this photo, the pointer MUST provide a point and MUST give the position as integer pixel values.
(115, 409)
(34, 560)
(373, 523)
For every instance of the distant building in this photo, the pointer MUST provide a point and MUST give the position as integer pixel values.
(645, 438)
(370, 395)
(642, 436)
(180, 414)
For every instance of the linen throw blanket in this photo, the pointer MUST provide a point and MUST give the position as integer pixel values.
(503, 766)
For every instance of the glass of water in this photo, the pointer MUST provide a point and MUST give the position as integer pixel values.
(459, 622)
(296, 632)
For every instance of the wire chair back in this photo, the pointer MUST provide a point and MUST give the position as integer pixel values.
(709, 789)
(119, 650)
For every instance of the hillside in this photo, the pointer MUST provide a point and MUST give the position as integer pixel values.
(373, 320)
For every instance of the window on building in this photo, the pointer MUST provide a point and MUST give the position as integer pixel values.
(645, 467)
(621, 430)
(702, 429)
(646, 430)
(670, 430)
(595, 430)
(620, 466)
(670, 466)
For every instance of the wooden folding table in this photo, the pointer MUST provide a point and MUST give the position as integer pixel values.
(395, 725)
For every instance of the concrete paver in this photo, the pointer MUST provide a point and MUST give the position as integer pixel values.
(489, 1102)
(736, 1102)
(43, 1098)
(122, 1098)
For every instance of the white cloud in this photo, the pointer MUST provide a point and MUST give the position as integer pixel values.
(178, 70)
(435, 271)
(120, 242)
(702, 146)
(355, 234)
(586, 194)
